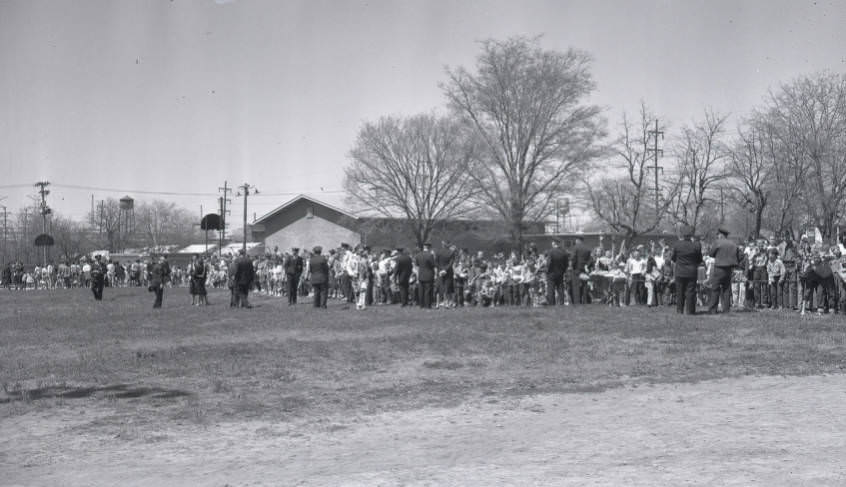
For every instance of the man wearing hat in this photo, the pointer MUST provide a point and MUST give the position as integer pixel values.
(159, 273)
(244, 274)
(403, 267)
(726, 257)
(581, 259)
(444, 259)
(293, 270)
(318, 268)
(425, 274)
(98, 277)
(687, 256)
(556, 268)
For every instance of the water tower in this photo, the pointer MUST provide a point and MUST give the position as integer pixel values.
(126, 219)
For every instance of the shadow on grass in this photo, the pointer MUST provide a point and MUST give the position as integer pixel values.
(115, 391)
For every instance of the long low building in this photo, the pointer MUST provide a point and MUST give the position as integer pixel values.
(304, 222)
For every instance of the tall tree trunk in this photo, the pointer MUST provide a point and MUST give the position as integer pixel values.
(759, 216)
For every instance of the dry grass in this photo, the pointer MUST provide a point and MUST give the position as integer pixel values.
(215, 364)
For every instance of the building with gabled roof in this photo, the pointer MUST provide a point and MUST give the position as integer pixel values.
(304, 222)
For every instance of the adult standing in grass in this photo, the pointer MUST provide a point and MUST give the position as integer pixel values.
(582, 256)
(556, 268)
(403, 268)
(318, 269)
(293, 270)
(244, 275)
(159, 273)
(726, 257)
(425, 274)
(444, 260)
(687, 256)
(98, 278)
(198, 276)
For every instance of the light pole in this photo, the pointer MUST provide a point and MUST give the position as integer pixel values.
(244, 190)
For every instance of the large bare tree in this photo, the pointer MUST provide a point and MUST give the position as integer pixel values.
(417, 167)
(623, 193)
(810, 114)
(788, 174)
(751, 170)
(528, 107)
(700, 167)
(106, 219)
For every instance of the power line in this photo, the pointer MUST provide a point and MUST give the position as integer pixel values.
(136, 191)
(167, 193)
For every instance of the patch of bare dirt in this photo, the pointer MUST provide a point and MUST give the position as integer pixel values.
(763, 430)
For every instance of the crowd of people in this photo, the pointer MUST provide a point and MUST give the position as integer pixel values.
(776, 273)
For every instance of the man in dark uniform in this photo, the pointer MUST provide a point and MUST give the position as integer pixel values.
(556, 268)
(159, 270)
(443, 261)
(687, 255)
(402, 273)
(318, 268)
(98, 277)
(293, 270)
(244, 274)
(425, 274)
(726, 257)
(6, 279)
(581, 260)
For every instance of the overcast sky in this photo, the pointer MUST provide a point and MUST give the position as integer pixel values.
(178, 96)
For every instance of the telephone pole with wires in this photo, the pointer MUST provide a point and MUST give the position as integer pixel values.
(5, 234)
(655, 151)
(45, 210)
(244, 190)
(223, 203)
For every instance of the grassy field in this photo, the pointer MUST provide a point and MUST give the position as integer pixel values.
(216, 364)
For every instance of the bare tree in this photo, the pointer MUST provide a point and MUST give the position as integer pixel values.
(788, 174)
(71, 240)
(626, 202)
(700, 161)
(418, 167)
(160, 223)
(106, 219)
(810, 114)
(528, 108)
(750, 171)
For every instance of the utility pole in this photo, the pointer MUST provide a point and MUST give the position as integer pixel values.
(5, 216)
(655, 151)
(45, 210)
(244, 190)
(222, 202)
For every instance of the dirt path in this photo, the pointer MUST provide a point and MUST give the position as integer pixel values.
(763, 430)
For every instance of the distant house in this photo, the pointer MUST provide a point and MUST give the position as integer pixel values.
(304, 222)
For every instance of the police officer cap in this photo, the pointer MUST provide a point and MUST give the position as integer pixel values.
(427, 244)
(723, 231)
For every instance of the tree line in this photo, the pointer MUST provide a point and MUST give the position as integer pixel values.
(517, 134)
(149, 225)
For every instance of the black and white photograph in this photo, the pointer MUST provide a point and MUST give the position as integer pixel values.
(422, 243)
